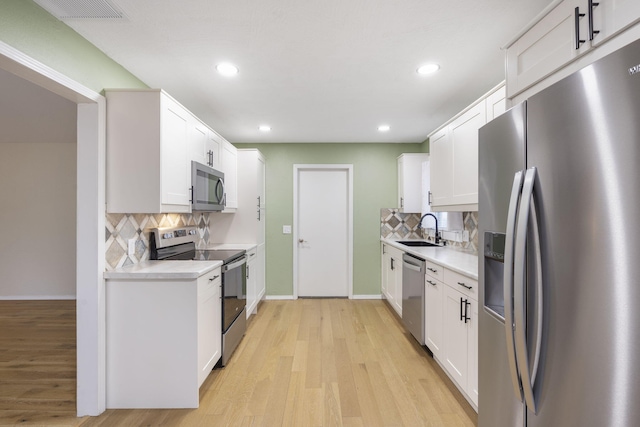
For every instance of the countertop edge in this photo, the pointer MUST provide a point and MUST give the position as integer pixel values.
(163, 270)
(434, 254)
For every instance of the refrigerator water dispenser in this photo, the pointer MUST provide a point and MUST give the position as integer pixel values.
(494, 273)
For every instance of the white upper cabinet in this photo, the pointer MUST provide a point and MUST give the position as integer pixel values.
(147, 145)
(545, 47)
(212, 149)
(496, 103)
(454, 154)
(612, 16)
(229, 165)
(410, 185)
(151, 141)
(564, 34)
(198, 138)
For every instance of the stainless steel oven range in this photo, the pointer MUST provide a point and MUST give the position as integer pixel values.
(178, 243)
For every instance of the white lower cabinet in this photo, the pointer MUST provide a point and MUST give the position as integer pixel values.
(392, 277)
(451, 317)
(252, 274)
(459, 354)
(163, 338)
(434, 300)
(209, 323)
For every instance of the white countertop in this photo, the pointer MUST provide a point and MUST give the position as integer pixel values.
(230, 246)
(163, 270)
(456, 260)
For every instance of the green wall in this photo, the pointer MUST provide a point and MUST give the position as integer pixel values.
(375, 186)
(27, 27)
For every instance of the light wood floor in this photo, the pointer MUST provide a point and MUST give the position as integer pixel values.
(310, 362)
(38, 363)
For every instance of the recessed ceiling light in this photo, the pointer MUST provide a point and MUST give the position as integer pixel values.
(428, 69)
(264, 128)
(227, 69)
(383, 128)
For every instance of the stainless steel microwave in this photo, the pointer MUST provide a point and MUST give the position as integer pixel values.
(207, 188)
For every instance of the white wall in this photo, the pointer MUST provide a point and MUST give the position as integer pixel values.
(37, 192)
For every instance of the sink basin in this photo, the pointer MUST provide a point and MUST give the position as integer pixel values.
(416, 243)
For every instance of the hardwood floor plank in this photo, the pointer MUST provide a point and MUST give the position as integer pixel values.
(309, 362)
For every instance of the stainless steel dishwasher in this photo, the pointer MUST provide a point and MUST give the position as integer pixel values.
(413, 270)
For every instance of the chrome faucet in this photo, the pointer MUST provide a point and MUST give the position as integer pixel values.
(437, 238)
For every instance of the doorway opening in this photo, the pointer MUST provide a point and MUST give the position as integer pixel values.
(88, 220)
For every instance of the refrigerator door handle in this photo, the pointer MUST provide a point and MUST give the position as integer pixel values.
(508, 281)
(520, 302)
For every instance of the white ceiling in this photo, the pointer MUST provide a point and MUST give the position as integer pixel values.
(316, 71)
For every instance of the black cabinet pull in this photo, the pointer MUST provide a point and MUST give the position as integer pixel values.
(461, 314)
(592, 32)
(429, 197)
(432, 270)
(465, 286)
(466, 311)
(392, 267)
(577, 15)
(431, 283)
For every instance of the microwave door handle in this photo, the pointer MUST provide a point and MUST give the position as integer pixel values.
(220, 190)
(223, 200)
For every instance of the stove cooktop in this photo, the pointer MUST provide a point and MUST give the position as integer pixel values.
(225, 256)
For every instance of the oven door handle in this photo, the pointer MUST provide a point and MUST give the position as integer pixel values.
(236, 264)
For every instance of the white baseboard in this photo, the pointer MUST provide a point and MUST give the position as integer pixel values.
(378, 296)
(279, 297)
(36, 297)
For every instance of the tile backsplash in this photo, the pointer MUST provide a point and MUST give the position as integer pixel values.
(399, 225)
(119, 228)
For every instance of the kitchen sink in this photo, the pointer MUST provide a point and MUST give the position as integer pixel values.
(416, 243)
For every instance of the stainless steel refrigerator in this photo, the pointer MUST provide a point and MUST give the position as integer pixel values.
(559, 266)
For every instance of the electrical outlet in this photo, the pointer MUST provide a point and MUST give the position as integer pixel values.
(131, 247)
(286, 229)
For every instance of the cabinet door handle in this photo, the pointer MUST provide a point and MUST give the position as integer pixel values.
(466, 310)
(191, 190)
(433, 270)
(429, 197)
(401, 202)
(577, 15)
(214, 278)
(392, 266)
(465, 286)
(258, 214)
(592, 32)
(248, 269)
(431, 283)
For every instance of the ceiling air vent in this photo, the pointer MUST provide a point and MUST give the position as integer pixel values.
(81, 9)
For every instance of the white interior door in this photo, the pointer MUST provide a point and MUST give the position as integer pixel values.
(323, 232)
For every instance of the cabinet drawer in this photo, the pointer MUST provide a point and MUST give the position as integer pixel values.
(209, 284)
(251, 254)
(461, 283)
(434, 270)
